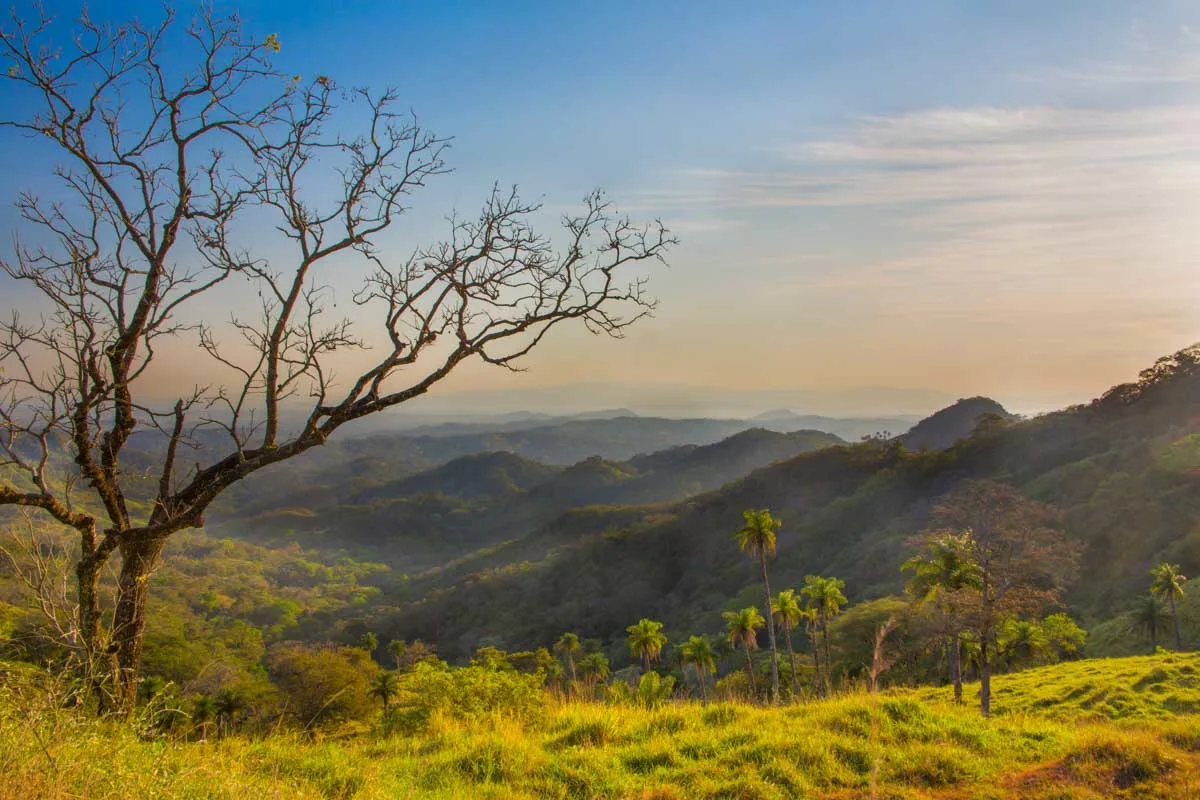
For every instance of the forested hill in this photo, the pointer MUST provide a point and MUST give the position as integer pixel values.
(1124, 470)
(413, 521)
(941, 430)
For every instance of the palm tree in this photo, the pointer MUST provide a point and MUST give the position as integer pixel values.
(1168, 582)
(396, 649)
(646, 640)
(825, 595)
(227, 706)
(757, 538)
(1149, 616)
(384, 686)
(568, 645)
(786, 612)
(698, 651)
(203, 712)
(812, 626)
(944, 568)
(742, 630)
(594, 668)
(369, 642)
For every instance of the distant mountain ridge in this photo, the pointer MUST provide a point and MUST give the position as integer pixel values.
(943, 428)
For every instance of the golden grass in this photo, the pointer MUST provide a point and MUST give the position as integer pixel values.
(1054, 738)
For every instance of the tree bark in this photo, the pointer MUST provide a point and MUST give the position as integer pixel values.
(762, 560)
(985, 678)
(828, 657)
(818, 681)
(138, 558)
(95, 655)
(703, 688)
(956, 666)
(1175, 619)
(787, 636)
(749, 671)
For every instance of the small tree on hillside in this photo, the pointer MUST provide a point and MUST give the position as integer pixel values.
(1023, 562)
(826, 598)
(698, 652)
(646, 641)
(568, 645)
(943, 571)
(1149, 616)
(177, 151)
(741, 629)
(757, 538)
(1168, 583)
(786, 611)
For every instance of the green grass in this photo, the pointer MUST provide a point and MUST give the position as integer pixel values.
(1054, 737)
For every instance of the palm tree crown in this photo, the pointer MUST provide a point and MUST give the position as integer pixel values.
(384, 686)
(1150, 617)
(646, 640)
(698, 651)
(757, 536)
(1168, 583)
(742, 627)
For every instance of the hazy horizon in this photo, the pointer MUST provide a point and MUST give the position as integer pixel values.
(952, 199)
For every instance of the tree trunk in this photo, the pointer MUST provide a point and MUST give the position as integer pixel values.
(818, 682)
(703, 688)
(1175, 619)
(828, 657)
(750, 671)
(762, 560)
(787, 636)
(95, 655)
(1153, 636)
(985, 678)
(645, 662)
(571, 667)
(956, 666)
(138, 557)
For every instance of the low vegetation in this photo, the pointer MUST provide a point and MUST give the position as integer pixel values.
(1050, 737)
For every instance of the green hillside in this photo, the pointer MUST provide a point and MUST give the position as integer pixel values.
(1123, 470)
(901, 745)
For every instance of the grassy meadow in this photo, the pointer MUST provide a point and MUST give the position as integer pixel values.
(1087, 729)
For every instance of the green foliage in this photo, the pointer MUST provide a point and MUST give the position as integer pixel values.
(653, 689)
(464, 693)
(324, 684)
(646, 640)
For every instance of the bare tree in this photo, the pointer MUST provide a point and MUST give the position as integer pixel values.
(162, 174)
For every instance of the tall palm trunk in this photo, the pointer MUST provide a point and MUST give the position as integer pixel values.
(749, 670)
(828, 658)
(645, 662)
(762, 560)
(1175, 619)
(571, 666)
(703, 688)
(818, 681)
(787, 637)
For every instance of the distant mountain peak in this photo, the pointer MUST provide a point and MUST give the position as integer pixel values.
(954, 422)
(775, 415)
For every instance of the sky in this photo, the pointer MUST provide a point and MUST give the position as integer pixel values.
(881, 205)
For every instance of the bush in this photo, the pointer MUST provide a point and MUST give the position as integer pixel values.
(464, 693)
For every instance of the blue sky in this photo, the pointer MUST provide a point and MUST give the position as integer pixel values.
(995, 198)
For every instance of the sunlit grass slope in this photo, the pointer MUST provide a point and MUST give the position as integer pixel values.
(1092, 729)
